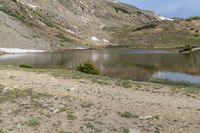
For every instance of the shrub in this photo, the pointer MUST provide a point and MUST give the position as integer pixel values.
(88, 67)
(25, 66)
(188, 47)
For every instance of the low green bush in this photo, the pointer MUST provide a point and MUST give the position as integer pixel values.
(25, 66)
(88, 67)
(188, 47)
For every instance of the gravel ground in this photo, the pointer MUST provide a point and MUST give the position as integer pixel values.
(40, 103)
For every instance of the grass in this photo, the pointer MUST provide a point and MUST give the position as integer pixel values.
(10, 94)
(126, 130)
(86, 105)
(147, 26)
(33, 122)
(128, 115)
(64, 132)
(146, 37)
(92, 127)
(125, 83)
(25, 66)
(71, 116)
(180, 86)
(103, 80)
(119, 9)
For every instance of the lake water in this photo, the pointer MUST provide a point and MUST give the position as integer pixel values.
(140, 65)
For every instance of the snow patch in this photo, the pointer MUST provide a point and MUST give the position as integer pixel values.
(19, 51)
(32, 6)
(70, 31)
(80, 48)
(105, 40)
(162, 18)
(115, 1)
(95, 39)
(40, 22)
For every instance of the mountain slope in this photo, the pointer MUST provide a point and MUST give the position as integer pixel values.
(77, 24)
(61, 24)
(160, 34)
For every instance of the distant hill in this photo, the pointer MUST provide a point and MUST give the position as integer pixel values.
(77, 24)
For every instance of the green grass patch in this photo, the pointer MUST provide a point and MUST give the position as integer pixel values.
(86, 104)
(9, 94)
(71, 116)
(180, 86)
(92, 127)
(125, 83)
(25, 66)
(33, 122)
(128, 115)
(120, 9)
(147, 26)
(126, 130)
(103, 80)
(64, 132)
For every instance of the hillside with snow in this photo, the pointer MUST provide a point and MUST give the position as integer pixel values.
(74, 24)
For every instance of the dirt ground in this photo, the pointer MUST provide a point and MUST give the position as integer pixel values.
(33, 102)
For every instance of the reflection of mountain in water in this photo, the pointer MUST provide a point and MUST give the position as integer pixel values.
(129, 64)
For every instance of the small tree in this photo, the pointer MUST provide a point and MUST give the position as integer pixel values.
(88, 67)
(188, 47)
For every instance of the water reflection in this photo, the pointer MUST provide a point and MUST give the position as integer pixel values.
(175, 76)
(141, 65)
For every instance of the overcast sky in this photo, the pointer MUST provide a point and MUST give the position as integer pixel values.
(169, 8)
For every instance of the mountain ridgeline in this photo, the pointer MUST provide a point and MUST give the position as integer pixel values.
(77, 24)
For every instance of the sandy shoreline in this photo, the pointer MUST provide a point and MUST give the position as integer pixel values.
(56, 103)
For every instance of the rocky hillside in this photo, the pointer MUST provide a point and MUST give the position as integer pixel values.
(77, 24)
(158, 34)
(60, 24)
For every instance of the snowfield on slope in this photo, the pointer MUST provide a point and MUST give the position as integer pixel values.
(19, 51)
(162, 18)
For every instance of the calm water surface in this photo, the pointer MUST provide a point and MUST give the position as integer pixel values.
(140, 65)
